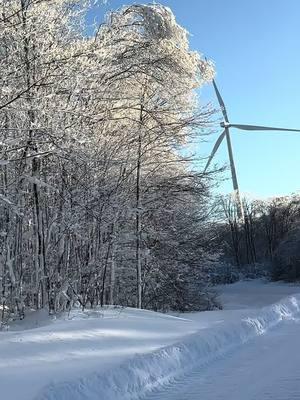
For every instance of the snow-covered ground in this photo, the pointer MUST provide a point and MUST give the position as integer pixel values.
(116, 354)
(254, 294)
(266, 368)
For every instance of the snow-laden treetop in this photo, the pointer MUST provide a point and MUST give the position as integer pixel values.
(157, 23)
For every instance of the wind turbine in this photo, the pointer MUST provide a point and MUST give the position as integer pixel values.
(226, 125)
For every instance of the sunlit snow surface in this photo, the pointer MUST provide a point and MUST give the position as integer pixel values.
(117, 353)
(266, 368)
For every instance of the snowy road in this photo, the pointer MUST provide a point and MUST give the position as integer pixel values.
(124, 354)
(267, 368)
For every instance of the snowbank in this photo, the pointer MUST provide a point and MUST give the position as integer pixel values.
(145, 372)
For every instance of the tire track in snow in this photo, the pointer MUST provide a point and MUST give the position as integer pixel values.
(267, 368)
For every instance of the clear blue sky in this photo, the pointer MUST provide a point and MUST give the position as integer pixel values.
(256, 49)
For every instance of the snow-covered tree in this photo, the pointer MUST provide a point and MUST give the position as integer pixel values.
(94, 186)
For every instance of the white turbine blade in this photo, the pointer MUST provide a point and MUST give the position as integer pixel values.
(261, 128)
(221, 102)
(214, 150)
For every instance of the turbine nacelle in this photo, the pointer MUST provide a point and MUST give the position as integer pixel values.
(224, 125)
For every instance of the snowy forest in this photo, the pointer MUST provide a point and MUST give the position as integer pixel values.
(102, 202)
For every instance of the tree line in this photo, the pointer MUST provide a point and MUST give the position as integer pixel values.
(265, 241)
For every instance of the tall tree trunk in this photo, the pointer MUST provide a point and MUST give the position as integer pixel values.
(40, 264)
(138, 225)
(112, 266)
